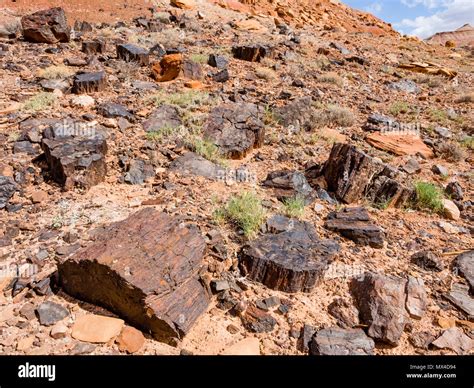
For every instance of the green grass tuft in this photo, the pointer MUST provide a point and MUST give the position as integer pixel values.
(428, 197)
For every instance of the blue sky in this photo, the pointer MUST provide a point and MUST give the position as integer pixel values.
(420, 17)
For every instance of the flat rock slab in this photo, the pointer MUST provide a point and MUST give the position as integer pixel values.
(76, 161)
(297, 115)
(143, 268)
(164, 117)
(132, 53)
(46, 26)
(381, 303)
(193, 164)
(235, 128)
(290, 261)
(417, 299)
(400, 144)
(465, 265)
(290, 184)
(340, 342)
(49, 313)
(459, 296)
(96, 328)
(89, 82)
(355, 224)
(353, 175)
(454, 339)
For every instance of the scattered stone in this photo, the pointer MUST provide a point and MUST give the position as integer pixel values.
(356, 225)
(417, 299)
(405, 85)
(192, 70)
(96, 328)
(220, 285)
(76, 161)
(454, 339)
(353, 175)
(258, 321)
(443, 132)
(459, 296)
(427, 260)
(93, 47)
(193, 164)
(49, 313)
(132, 53)
(400, 144)
(412, 166)
(339, 47)
(168, 68)
(143, 268)
(82, 348)
(47, 26)
(253, 53)
(297, 115)
(39, 196)
(138, 172)
(346, 314)
(221, 76)
(25, 343)
(89, 82)
(381, 303)
(130, 340)
(112, 110)
(380, 123)
(279, 223)
(291, 261)
(51, 85)
(58, 331)
(218, 61)
(7, 189)
(10, 27)
(464, 263)
(246, 347)
(290, 184)
(421, 340)
(305, 337)
(166, 116)
(76, 61)
(236, 129)
(27, 311)
(83, 101)
(440, 170)
(337, 342)
(455, 191)
(450, 210)
(25, 147)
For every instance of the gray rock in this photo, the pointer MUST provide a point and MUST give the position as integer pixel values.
(381, 303)
(412, 166)
(417, 299)
(459, 296)
(306, 336)
(166, 116)
(465, 265)
(346, 314)
(405, 85)
(112, 110)
(52, 84)
(191, 163)
(297, 115)
(7, 189)
(339, 47)
(138, 172)
(132, 53)
(454, 339)
(443, 132)
(356, 225)
(290, 184)
(218, 61)
(421, 340)
(455, 191)
(440, 170)
(337, 342)
(427, 260)
(49, 313)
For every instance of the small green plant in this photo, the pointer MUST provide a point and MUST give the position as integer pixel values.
(246, 212)
(39, 102)
(399, 107)
(294, 206)
(162, 134)
(468, 142)
(199, 58)
(56, 72)
(428, 197)
(188, 99)
(269, 116)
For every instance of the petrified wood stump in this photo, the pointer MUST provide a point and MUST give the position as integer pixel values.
(290, 261)
(93, 47)
(143, 268)
(132, 53)
(89, 82)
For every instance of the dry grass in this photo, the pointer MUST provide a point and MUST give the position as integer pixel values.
(56, 72)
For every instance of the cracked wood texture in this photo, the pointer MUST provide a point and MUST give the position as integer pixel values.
(145, 269)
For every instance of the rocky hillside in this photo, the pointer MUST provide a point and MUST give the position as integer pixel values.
(463, 36)
(211, 177)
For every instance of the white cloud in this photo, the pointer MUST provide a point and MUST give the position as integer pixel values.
(452, 15)
(374, 8)
(427, 3)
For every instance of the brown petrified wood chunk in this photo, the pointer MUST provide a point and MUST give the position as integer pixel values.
(355, 224)
(89, 82)
(132, 53)
(144, 269)
(93, 47)
(353, 175)
(291, 261)
(46, 26)
(168, 68)
(252, 53)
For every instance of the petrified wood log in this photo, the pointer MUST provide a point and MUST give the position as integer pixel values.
(89, 82)
(46, 26)
(253, 53)
(353, 175)
(93, 47)
(355, 224)
(132, 53)
(143, 268)
(290, 261)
